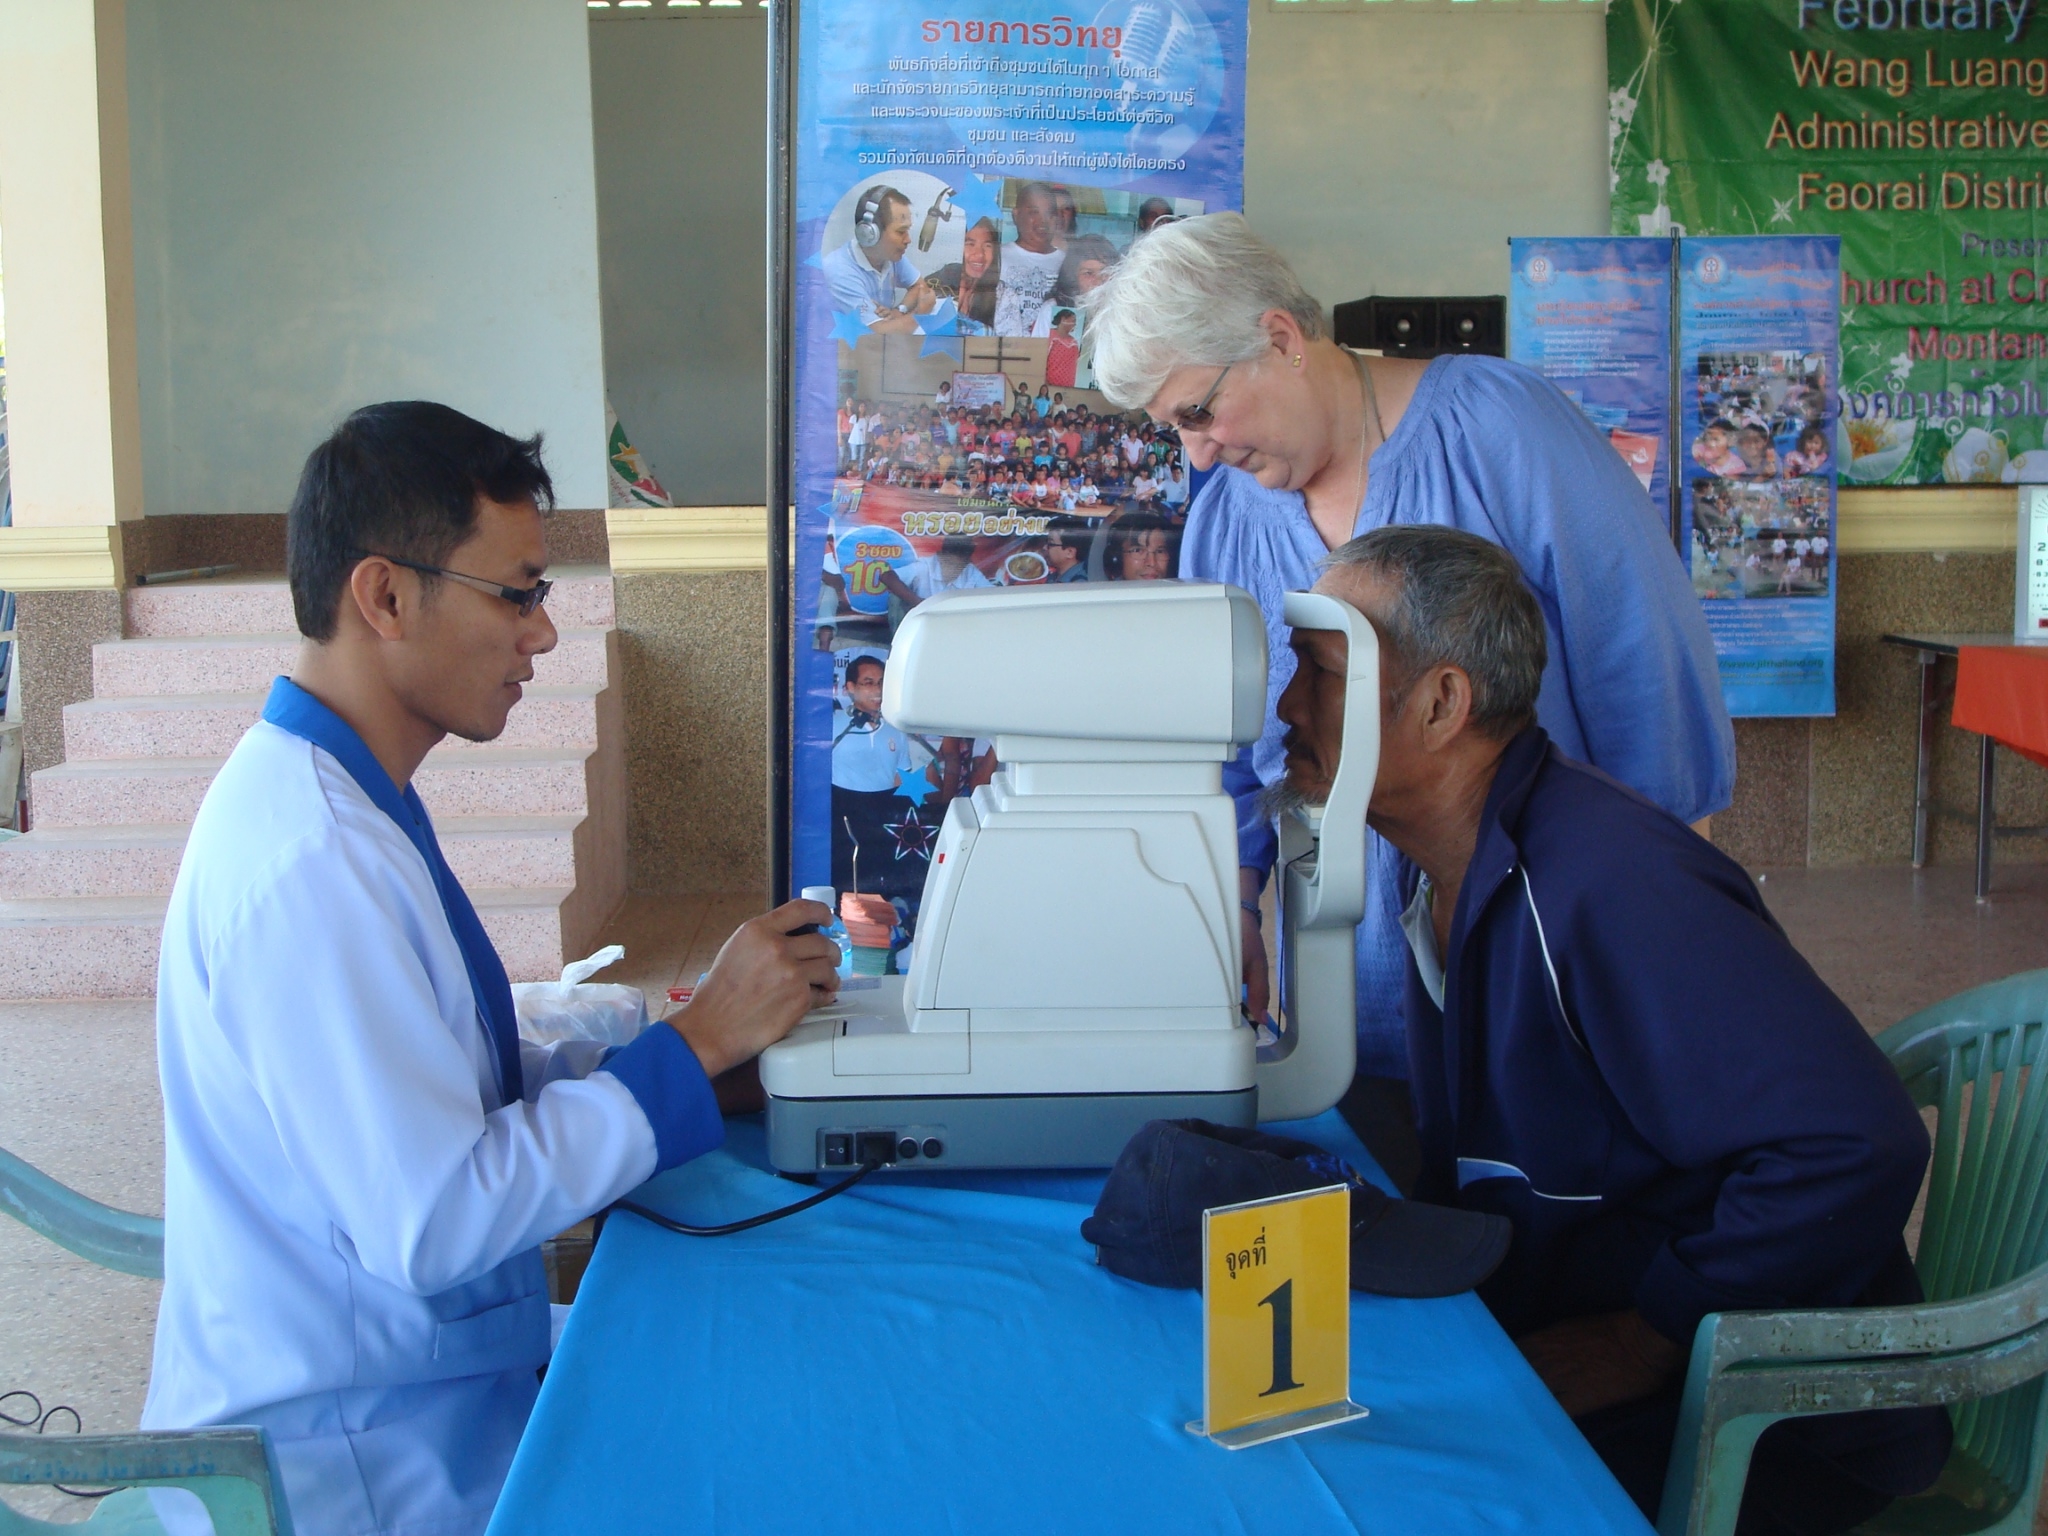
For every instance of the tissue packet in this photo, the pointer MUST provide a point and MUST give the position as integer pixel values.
(576, 1008)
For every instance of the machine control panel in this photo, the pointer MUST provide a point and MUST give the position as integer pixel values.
(892, 1147)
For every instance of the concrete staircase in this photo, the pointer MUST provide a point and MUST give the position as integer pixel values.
(533, 824)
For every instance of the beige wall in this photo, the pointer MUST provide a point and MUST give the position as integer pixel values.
(696, 724)
(1840, 791)
(342, 203)
(1392, 151)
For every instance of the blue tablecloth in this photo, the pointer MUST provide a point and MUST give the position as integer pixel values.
(933, 1353)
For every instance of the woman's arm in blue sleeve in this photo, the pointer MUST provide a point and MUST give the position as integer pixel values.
(1257, 844)
(1638, 670)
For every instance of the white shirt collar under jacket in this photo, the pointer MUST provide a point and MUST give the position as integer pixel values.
(1422, 941)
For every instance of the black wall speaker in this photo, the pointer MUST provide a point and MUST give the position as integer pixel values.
(1424, 327)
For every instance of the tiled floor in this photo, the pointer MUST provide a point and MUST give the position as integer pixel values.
(78, 1099)
(78, 1086)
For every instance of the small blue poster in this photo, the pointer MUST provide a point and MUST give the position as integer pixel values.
(1758, 373)
(1593, 316)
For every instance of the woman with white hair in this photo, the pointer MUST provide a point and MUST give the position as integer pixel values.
(1207, 328)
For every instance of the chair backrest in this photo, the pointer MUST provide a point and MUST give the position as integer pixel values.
(112, 1239)
(231, 1469)
(1976, 1058)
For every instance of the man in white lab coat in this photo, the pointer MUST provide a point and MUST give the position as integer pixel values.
(362, 1159)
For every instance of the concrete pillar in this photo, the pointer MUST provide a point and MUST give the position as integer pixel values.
(72, 396)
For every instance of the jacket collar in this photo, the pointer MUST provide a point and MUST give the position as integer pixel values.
(1495, 851)
(1494, 856)
(291, 708)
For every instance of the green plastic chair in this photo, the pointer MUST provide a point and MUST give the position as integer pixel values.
(232, 1469)
(111, 1239)
(1978, 1345)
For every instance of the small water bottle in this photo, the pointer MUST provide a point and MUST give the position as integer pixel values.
(835, 930)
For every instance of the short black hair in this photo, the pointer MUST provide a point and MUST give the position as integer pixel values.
(399, 479)
(865, 660)
(1130, 528)
(1463, 602)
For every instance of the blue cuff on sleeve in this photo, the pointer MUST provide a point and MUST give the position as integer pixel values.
(665, 1078)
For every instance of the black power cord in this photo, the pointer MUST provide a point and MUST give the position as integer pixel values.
(39, 1421)
(752, 1221)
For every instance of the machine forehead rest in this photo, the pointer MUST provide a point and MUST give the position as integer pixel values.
(1318, 610)
(1124, 661)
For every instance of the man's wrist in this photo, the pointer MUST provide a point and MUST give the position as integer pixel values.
(703, 1040)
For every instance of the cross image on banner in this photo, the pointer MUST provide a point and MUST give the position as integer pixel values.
(962, 183)
(1757, 334)
(1593, 316)
(1912, 130)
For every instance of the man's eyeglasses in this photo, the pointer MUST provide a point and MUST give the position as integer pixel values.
(525, 599)
(1198, 417)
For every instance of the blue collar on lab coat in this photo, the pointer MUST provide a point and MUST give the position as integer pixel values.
(292, 709)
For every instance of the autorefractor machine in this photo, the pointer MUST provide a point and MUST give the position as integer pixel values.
(1077, 964)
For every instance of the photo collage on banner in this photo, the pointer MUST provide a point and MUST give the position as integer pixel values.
(1911, 130)
(1757, 378)
(1753, 369)
(962, 185)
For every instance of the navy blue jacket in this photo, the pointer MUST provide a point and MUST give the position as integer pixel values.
(1637, 1068)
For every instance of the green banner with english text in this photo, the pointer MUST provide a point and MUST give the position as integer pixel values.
(1917, 130)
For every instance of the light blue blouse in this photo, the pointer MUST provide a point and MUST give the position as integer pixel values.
(1631, 685)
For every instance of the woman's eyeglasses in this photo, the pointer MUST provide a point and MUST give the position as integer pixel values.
(1198, 417)
(525, 599)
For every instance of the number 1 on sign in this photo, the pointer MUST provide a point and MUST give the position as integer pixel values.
(1282, 1303)
(1276, 1317)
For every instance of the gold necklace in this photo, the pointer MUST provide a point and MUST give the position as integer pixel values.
(1369, 399)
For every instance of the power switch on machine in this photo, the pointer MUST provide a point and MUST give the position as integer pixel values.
(838, 1150)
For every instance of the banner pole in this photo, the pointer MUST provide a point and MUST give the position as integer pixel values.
(1674, 479)
(781, 360)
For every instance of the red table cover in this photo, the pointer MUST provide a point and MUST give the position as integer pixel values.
(2002, 692)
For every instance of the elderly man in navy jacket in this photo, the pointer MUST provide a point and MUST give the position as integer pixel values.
(1613, 1044)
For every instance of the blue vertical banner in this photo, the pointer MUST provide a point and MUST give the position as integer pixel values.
(964, 179)
(1593, 316)
(1758, 378)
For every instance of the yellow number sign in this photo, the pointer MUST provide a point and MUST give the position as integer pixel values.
(1276, 1317)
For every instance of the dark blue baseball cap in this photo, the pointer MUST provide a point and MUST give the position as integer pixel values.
(1148, 1224)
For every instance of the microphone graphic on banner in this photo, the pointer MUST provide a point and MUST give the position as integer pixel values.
(1164, 51)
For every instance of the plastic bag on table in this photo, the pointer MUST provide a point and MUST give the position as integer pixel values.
(576, 1008)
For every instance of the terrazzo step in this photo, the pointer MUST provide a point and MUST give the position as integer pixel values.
(189, 664)
(108, 946)
(473, 781)
(508, 852)
(209, 724)
(261, 604)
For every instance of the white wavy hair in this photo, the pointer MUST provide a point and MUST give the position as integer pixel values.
(1190, 292)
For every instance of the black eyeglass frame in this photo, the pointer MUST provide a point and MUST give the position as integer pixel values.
(525, 599)
(1198, 417)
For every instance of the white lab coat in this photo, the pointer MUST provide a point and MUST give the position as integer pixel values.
(352, 1216)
